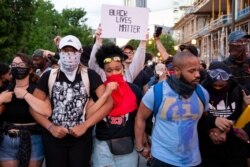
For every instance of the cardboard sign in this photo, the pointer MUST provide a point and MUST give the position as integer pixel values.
(124, 22)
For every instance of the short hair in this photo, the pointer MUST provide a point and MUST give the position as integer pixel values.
(108, 51)
(178, 58)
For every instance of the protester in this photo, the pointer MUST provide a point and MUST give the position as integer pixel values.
(238, 62)
(20, 141)
(226, 101)
(133, 65)
(174, 136)
(5, 76)
(114, 140)
(68, 139)
(146, 73)
(40, 61)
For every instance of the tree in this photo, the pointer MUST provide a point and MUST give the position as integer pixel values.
(16, 16)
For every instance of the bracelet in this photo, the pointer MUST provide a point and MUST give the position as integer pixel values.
(25, 94)
(140, 150)
(50, 126)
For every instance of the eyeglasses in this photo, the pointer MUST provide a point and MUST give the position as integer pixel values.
(109, 59)
(21, 64)
(219, 74)
(128, 53)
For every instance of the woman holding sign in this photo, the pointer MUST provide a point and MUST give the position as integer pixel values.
(223, 147)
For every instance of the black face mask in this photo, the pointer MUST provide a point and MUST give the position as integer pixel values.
(19, 72)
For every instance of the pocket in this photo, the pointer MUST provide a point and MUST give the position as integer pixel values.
(121, 146)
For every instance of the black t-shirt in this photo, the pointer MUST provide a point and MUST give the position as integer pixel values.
(17, 111)
(115, 127)
(69, 98)
(144, 77)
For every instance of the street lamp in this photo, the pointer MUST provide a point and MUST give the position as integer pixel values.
(193, 42)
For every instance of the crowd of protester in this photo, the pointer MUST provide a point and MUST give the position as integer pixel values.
(107, 106)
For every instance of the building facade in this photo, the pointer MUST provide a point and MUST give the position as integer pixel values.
(207, 24)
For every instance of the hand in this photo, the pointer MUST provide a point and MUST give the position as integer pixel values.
(146, 153)
(47, 54)
(217, 136)
(98, 34)
(246, 98)
(110, 87)
(5, 97)
(223, 124)
(20, 92)
(57, 40)
(78, 130)
(240, 133)
(58, 131)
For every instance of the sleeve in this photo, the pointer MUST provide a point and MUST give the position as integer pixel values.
(43, 83)
(94, 81)
(148, 99)
(137, 64)
(92, 62)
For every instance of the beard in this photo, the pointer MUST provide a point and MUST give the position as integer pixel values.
(192, 83)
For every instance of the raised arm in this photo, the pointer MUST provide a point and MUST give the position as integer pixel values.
(161, 48)
(92, 61)
(137, 63)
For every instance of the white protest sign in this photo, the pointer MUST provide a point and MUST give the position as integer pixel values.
(124, 22)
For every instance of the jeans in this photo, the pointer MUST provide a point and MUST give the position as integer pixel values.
(10, 145)
(102, 156)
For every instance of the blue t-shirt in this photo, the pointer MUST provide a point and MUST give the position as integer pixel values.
(174, 137)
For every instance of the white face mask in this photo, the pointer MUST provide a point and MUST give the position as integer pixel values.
(69, 60)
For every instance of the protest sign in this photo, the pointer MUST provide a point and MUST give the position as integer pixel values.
(124, 22)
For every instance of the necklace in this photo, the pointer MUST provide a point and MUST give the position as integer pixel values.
(20, 86)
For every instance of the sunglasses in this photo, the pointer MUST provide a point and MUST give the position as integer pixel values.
(109, 59)
(219, 74)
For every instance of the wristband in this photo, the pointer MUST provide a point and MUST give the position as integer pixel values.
(50, 126)
(25, 94)
(140, 150)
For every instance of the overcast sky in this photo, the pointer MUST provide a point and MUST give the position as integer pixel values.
(161, 10)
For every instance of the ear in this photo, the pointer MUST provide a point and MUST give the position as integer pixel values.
(177, 71)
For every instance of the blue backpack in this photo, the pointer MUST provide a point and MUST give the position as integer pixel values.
(158, 89)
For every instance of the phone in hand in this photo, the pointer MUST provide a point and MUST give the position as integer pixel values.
(158, 31)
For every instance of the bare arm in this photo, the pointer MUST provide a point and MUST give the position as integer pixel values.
(161, 49)
(56, 131)
(5, 97)
(143, 114)
(41, 106)
(98, 115)
(102, 100)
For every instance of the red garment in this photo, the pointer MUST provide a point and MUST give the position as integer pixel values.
(123, 97)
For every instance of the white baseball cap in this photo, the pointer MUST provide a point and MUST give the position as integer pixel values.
(70, 40)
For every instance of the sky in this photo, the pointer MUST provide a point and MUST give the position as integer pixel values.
(161, 11)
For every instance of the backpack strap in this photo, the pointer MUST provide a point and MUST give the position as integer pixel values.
(52, 79)
(201, 95)
(158, 88)
(85, 78)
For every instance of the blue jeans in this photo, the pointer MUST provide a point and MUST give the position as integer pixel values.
(102, 156)
(9, 148)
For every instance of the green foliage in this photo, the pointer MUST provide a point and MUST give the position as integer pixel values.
(27, 25)
(134, 43)
(166, 40)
